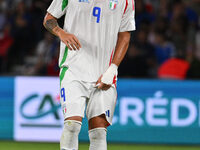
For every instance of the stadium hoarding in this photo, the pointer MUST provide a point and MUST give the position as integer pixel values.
(157, 112)
(147, 111)
(6, 107)
(37, 109)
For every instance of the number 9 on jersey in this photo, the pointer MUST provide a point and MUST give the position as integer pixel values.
(97, 13)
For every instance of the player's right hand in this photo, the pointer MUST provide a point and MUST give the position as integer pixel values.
(70, 40)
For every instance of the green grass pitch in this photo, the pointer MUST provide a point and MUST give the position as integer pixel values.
(8, 145)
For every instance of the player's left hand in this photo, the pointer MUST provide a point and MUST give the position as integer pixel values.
(102, 86)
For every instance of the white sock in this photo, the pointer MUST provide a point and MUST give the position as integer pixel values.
(98, 139)
(69, 138)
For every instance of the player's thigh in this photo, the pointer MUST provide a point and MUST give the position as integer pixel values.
(98, 122)
(73, 100)
(101, 107)
(77, 118)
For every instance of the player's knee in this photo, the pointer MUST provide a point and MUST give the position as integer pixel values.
(98, 134)
(72, 126)
(98, 139)
(69, 138)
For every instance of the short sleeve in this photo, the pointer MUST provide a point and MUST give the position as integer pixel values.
(128, 19)
(58, 8)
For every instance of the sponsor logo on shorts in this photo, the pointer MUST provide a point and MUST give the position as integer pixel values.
(108, 113)
(64, 108)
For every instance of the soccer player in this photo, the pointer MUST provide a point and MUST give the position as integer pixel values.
(94, 41)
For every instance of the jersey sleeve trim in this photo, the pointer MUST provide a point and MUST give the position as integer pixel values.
(64, 4)
(128, 18)
(128, 30)
(58, 8)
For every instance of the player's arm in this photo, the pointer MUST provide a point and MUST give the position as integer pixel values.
(121, 48)
(127, 24)
(51, 24)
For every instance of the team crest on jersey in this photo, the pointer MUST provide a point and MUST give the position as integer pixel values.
(85, 1)
(113, 4)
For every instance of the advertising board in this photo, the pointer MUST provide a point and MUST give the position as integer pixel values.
(157, 112)
(6, 107)
(146, 112)
(38, 116)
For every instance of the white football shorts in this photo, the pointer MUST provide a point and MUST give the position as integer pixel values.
(76, 96)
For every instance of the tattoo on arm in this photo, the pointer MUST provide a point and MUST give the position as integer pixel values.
(51, 24)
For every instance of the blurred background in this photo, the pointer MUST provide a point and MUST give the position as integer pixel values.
(163, 62)
(167, 33)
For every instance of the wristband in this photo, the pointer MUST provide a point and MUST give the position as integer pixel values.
(109, 75)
